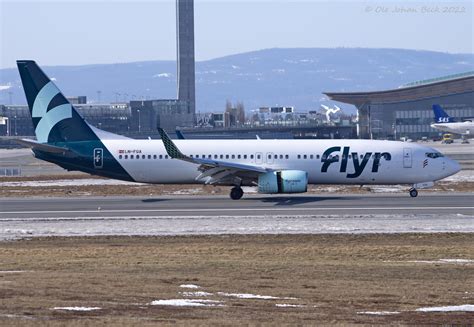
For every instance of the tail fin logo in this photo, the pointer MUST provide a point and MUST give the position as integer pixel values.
(443, 119)
(49, 118)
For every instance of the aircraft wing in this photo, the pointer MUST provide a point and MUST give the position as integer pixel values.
(213, 171)
(35, 145)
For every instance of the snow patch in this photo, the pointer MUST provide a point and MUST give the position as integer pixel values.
(464, 307)
(77, 308)
(5, 87)
(165, 75)
(196, 294)
(67, 182)
(189, 286)
(451, 261)
(378, 313)
(254, 296)
(284, 305)
(188, 303)
(278, 71)
(11, 271)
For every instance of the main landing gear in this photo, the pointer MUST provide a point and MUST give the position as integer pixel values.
(413, 192)
(236, 193)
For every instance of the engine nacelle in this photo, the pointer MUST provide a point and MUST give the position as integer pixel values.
(285, 181)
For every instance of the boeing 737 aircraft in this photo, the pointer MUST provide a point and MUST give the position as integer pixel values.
(274, 166)
(445, 123)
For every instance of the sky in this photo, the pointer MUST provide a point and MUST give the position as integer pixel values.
(77, 32)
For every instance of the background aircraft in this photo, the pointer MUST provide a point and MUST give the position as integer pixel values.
(445, 123)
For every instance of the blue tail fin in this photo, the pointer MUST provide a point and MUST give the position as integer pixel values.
(440, 115)
(54, 118)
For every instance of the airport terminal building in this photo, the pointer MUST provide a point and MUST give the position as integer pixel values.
(407, 111)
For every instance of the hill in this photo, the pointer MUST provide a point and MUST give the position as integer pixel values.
(266, 77)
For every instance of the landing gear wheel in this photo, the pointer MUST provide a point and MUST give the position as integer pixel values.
(236, 193)
(413, 193)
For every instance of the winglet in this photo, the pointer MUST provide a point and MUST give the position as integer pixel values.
(180, 135)
(170, 147)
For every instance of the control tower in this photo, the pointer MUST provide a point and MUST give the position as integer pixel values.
(185, 53)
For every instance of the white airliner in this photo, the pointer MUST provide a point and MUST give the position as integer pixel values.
(274, 166)
(445, 123)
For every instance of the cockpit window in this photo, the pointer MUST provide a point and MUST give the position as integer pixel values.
(434, 155)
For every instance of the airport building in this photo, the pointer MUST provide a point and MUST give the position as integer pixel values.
(147, 115)
(15, 120)
(407, 111)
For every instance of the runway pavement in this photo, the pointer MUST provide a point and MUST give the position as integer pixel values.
(177, 215)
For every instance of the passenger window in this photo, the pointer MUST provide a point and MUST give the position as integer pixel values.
(287, 156)
(258, 156)
(222, 156)
(275, 156)
(190, 155)
(154, 156)
(238, 156)
(305, 156)
(269, 156)
(149, 156)
(227, 156)
(251, 156)
(281, 156)
(311, 156)
(143, 156)
(138, 157)
(299, 156)
(120, 156)
(215, 156)
(126, 156)
(362, 156)
(166, 156)
(161, 156)
(245, 156)
(131, 156)
(233, 156)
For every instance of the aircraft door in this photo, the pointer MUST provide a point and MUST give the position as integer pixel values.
(407, 158)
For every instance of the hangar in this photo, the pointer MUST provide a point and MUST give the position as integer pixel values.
(407, 110)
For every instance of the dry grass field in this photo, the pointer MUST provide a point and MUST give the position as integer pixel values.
(133, 189)
(314, 279)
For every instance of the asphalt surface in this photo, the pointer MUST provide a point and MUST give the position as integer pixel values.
(178, 215)
(250, 204)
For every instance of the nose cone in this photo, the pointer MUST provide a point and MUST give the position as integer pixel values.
(452, 167)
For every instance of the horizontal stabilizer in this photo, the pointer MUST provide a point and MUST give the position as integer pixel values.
(44, 147)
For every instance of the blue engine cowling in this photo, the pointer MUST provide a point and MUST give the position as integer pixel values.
(285, 181)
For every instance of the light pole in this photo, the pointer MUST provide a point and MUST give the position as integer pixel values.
(139, 125)
(15, 126)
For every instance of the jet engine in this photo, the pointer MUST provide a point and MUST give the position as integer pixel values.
(285, 181)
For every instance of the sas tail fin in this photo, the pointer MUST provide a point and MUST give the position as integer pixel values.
(440, 115)
(54, 118)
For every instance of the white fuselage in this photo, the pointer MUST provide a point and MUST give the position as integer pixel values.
(352, 161)
(463, 128)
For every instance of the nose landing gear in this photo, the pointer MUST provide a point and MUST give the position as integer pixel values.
(413, 192)
(236, 193)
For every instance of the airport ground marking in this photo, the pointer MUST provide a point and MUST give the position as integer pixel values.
(237, 209)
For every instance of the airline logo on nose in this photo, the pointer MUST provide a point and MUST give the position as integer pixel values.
(49, 118)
